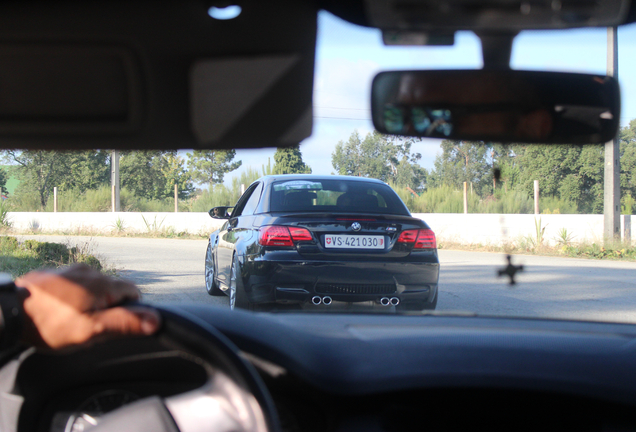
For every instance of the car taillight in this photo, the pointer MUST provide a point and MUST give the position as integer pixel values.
(282, 235)
(423, 239)
(426, 240)
(300, 234)
(408, 236)
(275, 236)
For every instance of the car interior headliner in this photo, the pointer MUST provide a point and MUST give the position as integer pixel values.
(165, 75)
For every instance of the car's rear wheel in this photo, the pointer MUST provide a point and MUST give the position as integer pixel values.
(210, 274)
(238, 296)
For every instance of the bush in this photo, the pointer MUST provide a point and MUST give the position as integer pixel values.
(18, 259)
(93, 200)
(220, 195)
(90, 261)
(49, 252)
(598, 251)
(8, 244)
(554, 205)
(446, 199)
(4, 215)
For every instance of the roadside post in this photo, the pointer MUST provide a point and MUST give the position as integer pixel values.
(626, 229)
(465, 197)
(55, 199)
(176, 199)
(114, 181)
(536, 197)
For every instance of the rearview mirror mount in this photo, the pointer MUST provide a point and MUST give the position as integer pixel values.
(497, 105)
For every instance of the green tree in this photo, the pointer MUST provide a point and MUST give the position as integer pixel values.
(569, 172)
(289, 160)
(86, 170)
(267, 169)
(384, 157)
(173, 169)
(41, 171)
(140, 173)
(3, 181)
(627, 137)
(153, 174)
(464, 161)
(209, 166)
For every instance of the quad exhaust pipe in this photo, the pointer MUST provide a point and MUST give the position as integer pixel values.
(326, 300)
(393, 301)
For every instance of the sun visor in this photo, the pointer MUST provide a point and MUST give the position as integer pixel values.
(155, 75)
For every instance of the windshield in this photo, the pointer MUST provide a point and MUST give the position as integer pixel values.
(449, 226)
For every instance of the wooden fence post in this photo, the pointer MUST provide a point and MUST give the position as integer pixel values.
(536, 197)
(465, 197)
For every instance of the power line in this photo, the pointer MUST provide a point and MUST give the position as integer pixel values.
(342, 118)
(339, 108)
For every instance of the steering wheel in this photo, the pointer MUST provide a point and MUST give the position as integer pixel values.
(233, 398)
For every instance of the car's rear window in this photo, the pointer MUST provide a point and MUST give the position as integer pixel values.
(339, 196)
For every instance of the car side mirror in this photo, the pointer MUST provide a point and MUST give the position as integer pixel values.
(221, 212)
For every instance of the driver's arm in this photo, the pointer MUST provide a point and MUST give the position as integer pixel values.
(72, 306)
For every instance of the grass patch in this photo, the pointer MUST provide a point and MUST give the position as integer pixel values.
(165, 232)
(19, 258)
(621, 251)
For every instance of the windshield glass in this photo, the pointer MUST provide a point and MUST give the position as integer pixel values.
(471, 226)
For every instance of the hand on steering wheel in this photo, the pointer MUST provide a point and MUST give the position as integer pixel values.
(233, 399)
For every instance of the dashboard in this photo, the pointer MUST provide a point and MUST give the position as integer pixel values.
(329, 372)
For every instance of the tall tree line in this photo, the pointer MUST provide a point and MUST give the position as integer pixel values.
(568, 172)
(147, 174)
(572, 173)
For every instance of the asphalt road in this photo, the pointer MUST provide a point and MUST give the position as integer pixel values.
(169, 270)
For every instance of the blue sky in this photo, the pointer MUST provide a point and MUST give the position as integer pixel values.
(349, 56)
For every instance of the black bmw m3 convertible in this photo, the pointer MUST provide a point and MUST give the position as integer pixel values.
(314, 241)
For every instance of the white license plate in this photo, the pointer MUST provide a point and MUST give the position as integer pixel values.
(338, 241)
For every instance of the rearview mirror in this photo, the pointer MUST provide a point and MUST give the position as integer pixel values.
(497, 105)
(221, 212)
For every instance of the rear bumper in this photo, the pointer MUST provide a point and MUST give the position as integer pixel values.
(267, 280)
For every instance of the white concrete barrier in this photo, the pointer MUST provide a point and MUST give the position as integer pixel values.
(107, 222)
(494, 229)
(499, 229)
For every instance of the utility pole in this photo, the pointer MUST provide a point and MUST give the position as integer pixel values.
(114, 180)
(612, 172)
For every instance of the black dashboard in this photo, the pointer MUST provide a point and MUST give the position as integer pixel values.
(366, 372)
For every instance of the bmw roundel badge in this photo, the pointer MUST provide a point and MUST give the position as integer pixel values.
(356, 226)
